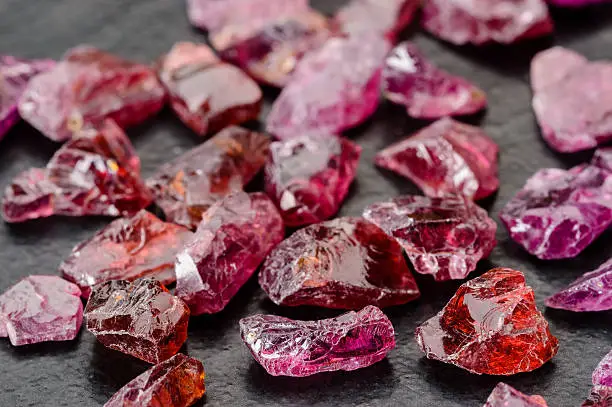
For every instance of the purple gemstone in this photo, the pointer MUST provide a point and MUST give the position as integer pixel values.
(507, 396)
(602, 376)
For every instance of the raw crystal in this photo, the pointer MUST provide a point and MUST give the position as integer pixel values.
(207, 94)
(444, 237)
(483, 21)
(576, 3)
(507, 396)
(126, 249)
(333, 88)
(601, 396)
(95, 173)
(40, 309)
(491, 326)
(603, 159)
(139, 318)
(309, 177)
(572, 99)
(446, 158)
(285, 347)
(602, 376)
(191, 183)
(177, 382)
(345, 263)
(427, 91)
(232, 240)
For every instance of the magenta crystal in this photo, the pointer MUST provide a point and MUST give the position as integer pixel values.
(603, 159)
(309, 177)
(507, 396)
(232, 240)
(444, 237)
(40, 309)
(427, 91)
(602, 376)
(286, 347)
(446, 158)
(601, 396)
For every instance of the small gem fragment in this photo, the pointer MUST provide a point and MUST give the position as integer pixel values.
(286, 347)
(345, 263)
(507, 396)
(490, 326)
(139, 318)
(40, 309)
(601, 396)
(602, 376)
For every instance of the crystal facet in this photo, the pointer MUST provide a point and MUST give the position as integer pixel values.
(507, 396)
(601, 396)
(602, 376)
(286, 347)
(345, 263)
(139, 318)
(490, 326)
(444, 237)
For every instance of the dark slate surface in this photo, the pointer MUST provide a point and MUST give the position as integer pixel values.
(83, 373)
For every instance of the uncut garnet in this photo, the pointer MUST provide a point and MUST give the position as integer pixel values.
(427, 91)
(87, 86)
(490, 326)
(95, 173)
(309, 177)
(601, 396)
(126, 249)
(446, 158)
(444, 237)
(285, 347)
(187, 186)
(139, 318)
(507, 396)
(207, 94)
(345, 263)
(602, 376)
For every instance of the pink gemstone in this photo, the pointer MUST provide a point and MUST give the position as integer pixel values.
(40, 309)
(95, 173)
(601, 396)
(427, 91)
(285, 347)
(345, 263)
(187, 186)
(126, 249)
(87, 86)
(602, 376)
(205, 93)
(444, 237)
(572, 99)
(446, 158)
(14, 77)
(507, 396)
(309, 177)
(576, 3)
(603, 159)
(333, 88)
(483, 21)
(234, 237)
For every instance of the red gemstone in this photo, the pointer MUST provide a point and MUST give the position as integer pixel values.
(507, 396)
(491, 326)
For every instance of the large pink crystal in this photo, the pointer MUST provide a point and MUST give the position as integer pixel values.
(427, 91)
(443, 237)
(447, 157)
(333, 88)
(601, 396)
(345, 263)
(87, 86)
(234, 237)
(482, 21)
(41, 309)
(507, 396)
(285, 347)
(309, 177)
(602, 376)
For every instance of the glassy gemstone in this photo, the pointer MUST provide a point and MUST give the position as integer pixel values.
(507, 396)
(602, 375)
(601, 396)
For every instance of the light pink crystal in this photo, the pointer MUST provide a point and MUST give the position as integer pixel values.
(602, 376)
(507, 396)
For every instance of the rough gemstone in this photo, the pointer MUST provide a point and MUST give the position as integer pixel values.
(309, 177)
(207, 94)
(126, 249)
(507, 396)
(139, 318)
(444, 237)
(95, 173)
(87, 86)
(573, 104)
(559, 213)
(576, 3)
(603, 159)
(232, 240)
(601, 396)
(483, 21)
(40, 309)
(285, 347)
(345, 263)
(187, 186)
(427, 91)
(446, 158)
(14, 77)
(176, 382)
(602, 376)
(333, 88)
(490, 326)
